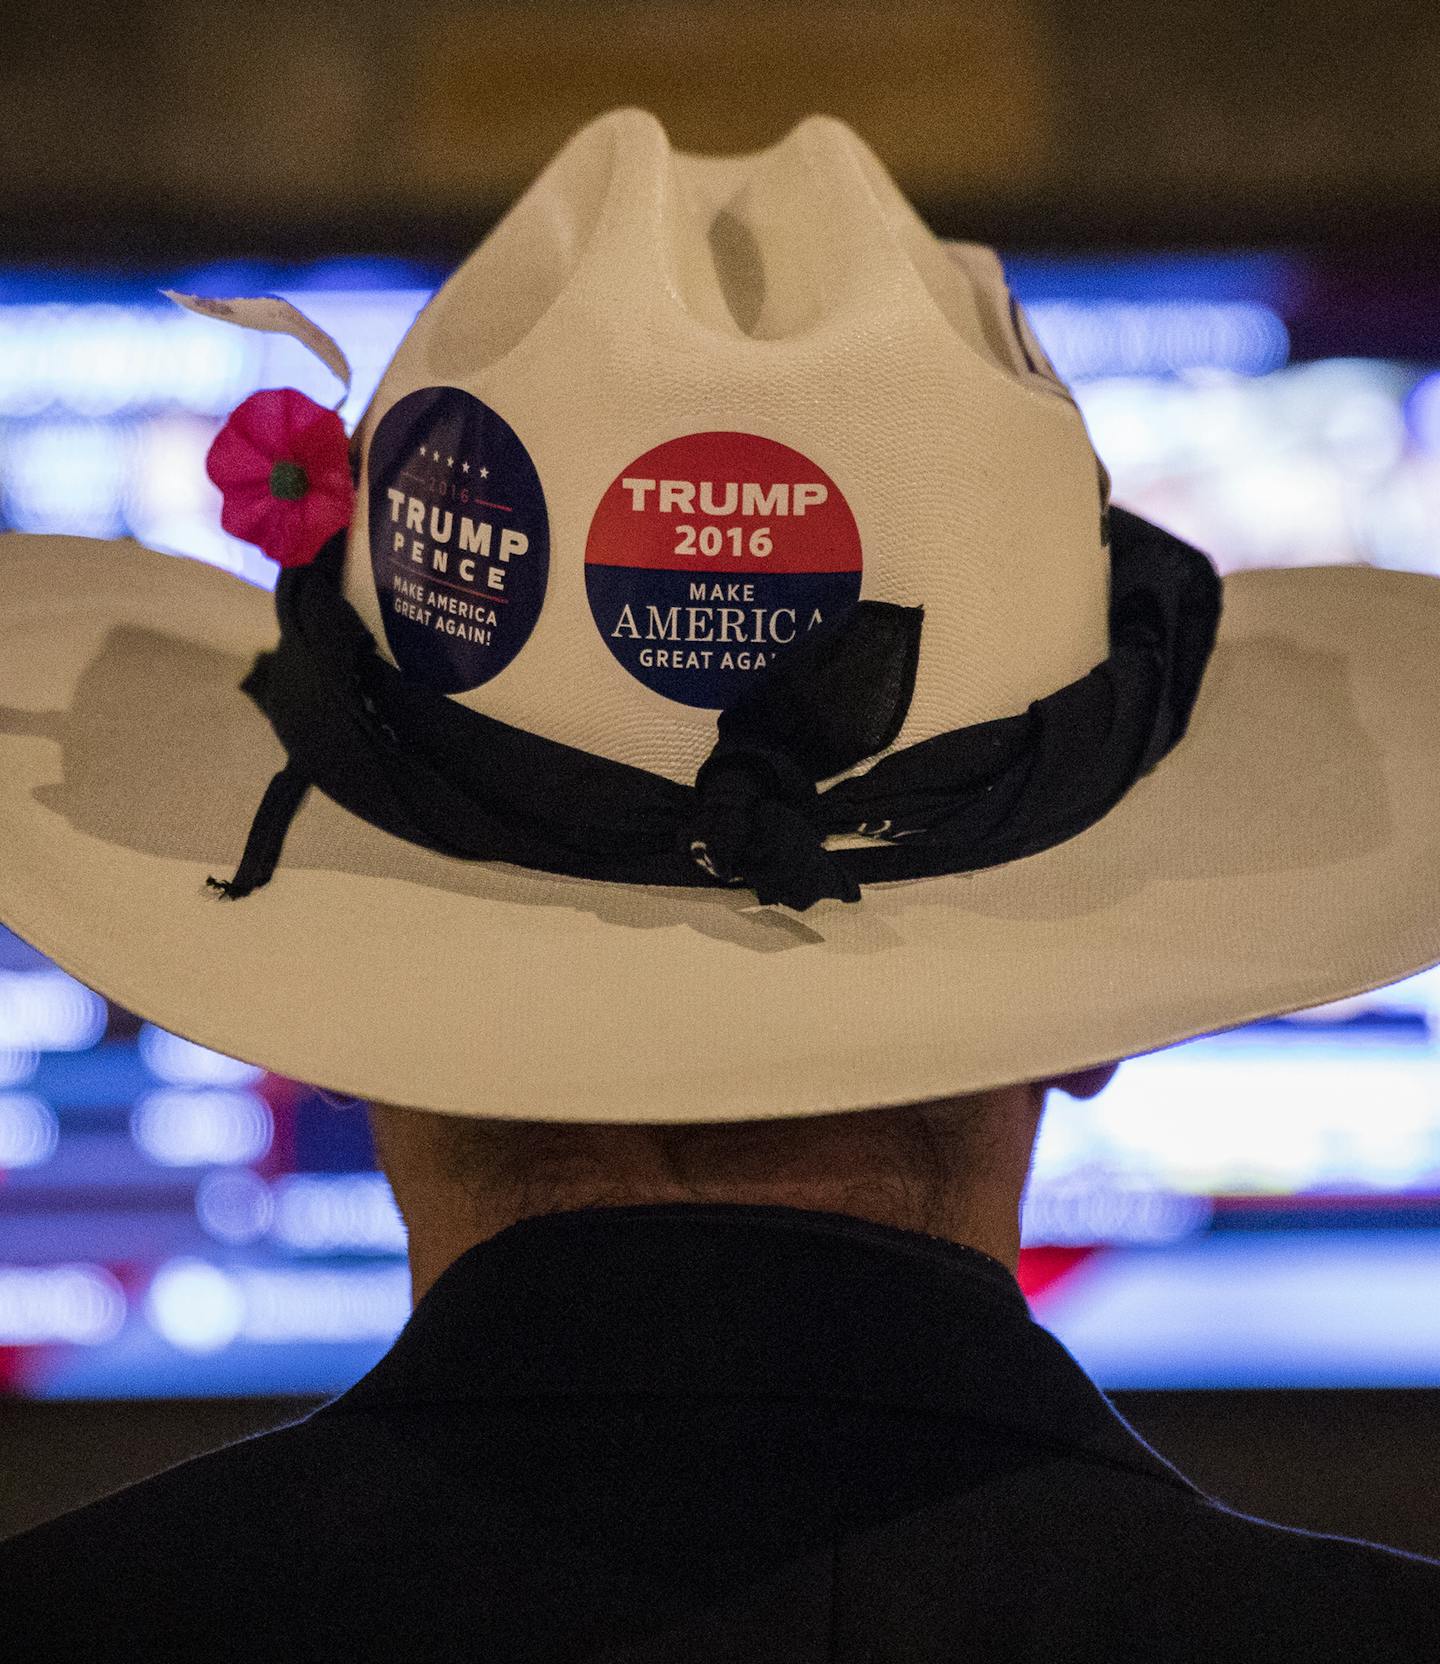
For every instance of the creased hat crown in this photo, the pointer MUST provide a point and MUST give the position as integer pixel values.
(663, 355)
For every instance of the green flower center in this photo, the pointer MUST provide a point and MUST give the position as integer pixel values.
(288, 481)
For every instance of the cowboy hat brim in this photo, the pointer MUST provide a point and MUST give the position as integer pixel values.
(1285, 854)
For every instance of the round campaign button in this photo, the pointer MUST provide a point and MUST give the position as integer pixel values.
(710, 555)
(459, 538)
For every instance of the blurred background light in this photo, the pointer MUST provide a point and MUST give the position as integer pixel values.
(1423, 409)
(72, 1305)
(48, 1011)
(29, 1131)
(181, 1062)
(234, 1205)
(199, 1307)
(99, 360)
(341, 1213)
(194, 1305)
(180, 1128)
(1086, 339)
(68, 477)
(327, 1306)
(17, 1067)
(1092, 1208)
(1247, 1118)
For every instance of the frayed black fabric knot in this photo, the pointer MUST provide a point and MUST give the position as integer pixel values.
(282, 799)
(757, 823)
(837, 697)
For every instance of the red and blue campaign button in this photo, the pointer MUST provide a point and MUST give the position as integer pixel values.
(710, 555)
(459, 538)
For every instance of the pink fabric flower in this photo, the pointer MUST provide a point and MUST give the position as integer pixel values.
(283, 467)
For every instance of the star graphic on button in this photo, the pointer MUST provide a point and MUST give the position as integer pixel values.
(465, 467)
(450, 461)
(484, 473)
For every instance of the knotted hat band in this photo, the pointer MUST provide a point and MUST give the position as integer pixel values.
(417, 764)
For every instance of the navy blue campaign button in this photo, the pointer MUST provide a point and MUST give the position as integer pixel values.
(459, 538)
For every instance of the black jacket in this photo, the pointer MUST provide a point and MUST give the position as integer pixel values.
(699, 1433)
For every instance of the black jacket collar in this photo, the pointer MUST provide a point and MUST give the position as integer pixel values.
(731, 1300)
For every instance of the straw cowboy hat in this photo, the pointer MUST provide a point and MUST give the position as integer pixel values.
(710, 684)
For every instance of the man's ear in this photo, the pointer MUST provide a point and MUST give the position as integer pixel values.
(1085, 1083)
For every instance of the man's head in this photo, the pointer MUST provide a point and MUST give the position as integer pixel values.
(953, 1168)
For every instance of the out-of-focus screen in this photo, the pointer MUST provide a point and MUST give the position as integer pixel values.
(1259, 1208)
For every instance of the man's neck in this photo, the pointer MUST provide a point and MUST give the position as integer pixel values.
(435, 1245)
